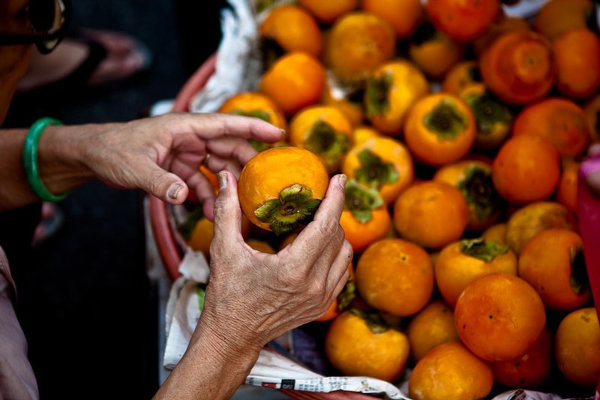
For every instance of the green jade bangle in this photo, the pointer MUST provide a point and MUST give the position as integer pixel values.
(30, 150)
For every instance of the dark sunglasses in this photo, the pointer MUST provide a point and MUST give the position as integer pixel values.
(47, 24)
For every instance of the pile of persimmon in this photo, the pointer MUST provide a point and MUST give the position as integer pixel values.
(461, 130)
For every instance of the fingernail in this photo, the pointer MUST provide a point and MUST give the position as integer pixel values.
(342, 180)
(174, 190)
(222, 179)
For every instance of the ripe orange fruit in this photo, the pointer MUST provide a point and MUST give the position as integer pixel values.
(530, 370)
(260, 245)
(533, 218)
(281, 188)
(577, 346)
(559, 16)
(592, 115)
(460, 263)
(450, 372)
(328, 11)
(403, 15)
(343, 97)
(499, 316)
(395, 276)
(559, 121)
(361, 133)
(358, 347)
(433, 51)
(381, 163)
(439, 129)
(526, 169)
(567, 187)
(577, 55)
(518, 67)
(431, 214)
(432, 326)
(391, 90)
(496, 232)
(292, 28)
(294, 81)
(552, 262)
(460, 76)
(463, 20)
(357, 44)
(474, 180)
(503, 25)
(201, 236)
(325, 131)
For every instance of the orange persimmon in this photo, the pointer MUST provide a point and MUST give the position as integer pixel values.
(433, 51)
(252, 104)
(328, 11)
(566, 194)
(460, 76)
(403, 15)
(592, 115)
(463, 19)
(559, 16)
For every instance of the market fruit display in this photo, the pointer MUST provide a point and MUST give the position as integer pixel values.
(461, 128)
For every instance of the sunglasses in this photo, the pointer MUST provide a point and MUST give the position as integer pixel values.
(47, 22)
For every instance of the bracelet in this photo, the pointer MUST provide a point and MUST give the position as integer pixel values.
(30, 150)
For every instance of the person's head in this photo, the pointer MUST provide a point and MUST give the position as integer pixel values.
(22, 24)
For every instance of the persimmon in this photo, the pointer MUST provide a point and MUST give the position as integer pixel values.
(391, 90)
(294, 81)
(552, 262)
(559, 121)
(503, 25)
(434, 52)
(566, 193)
(592, 115)
(463, 20)
(381, 163)
(450, 372)
(496, 232)
(518, 67)
(530, 370)
(460, 76)
(260, 245)
(328, 11)
(577, 55)
(281, 188)
(361, 133)
(533, 218)
(325, 131)
(474, 180)
(293, 28)
(432, 326)
(526, 169)
(460, 263)
(431, 214)
(577, 347)
(493, 118)
(343, 300)
(357, 44)
(439, 129)
(558, 16)
(360, 347)
(211, 176)
(403, 15)
(201, 235)
(346, 98)
(499, 316)
(365, 217)
(395, 276)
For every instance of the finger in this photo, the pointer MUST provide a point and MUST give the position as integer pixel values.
(339, 268)
(227, 212)
(232, 148)
(215, 163)
(160, 183)
(205, 193)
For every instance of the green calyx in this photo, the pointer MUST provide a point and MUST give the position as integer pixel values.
(361, 200)
(579, 280)
(373, 172)
(201, 292)
(482, 249)
(479, 191)
(346, 296)
(445, 120)
(489, 112)
(186, 228)
(294, 207)
(328, 144)
(376, 95)
(258, 145)
(373, 320)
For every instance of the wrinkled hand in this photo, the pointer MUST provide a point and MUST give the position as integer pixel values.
(254, 297)
(161, 154)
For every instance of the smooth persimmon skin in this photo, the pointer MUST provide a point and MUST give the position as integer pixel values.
(526, 169)
(352, 348)
(389, 150)
(431, 214)
(272, 170)
(425, 144)
(463, 20)
(293, 28)
(395, 276)
(362, 235)
(496, 232)
(518, 67)
(545, 262)
(303, 122)
(577, 347)
(251, 101)
(498, 28)
(202, 236)
(454, 270)
(559, 16)
(403, 15)
(592, 115)
(328, 11)
(294, 81)
(559, 121)
(567, 187)
(460, 76)
(531, 370)
(362, 133)
(432, 326)
(499, 316)
(450, 372)
(437, 55)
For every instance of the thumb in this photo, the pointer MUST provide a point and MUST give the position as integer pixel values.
(228, 215)
(165, 185)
